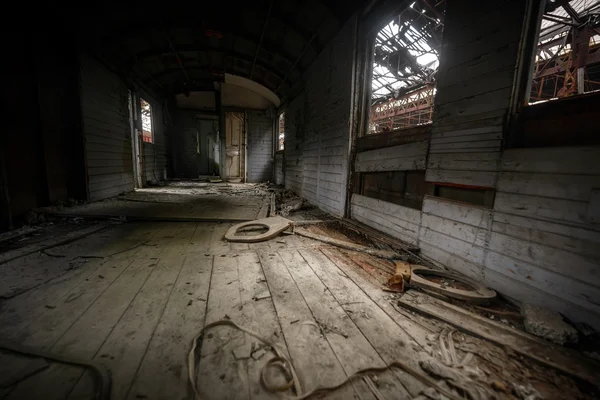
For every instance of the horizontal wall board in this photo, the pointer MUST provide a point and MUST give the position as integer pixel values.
(464, 162)
(471, 178)
(570, 265)
(457, 130)
(474, 119)
(496, 41)
(571, 187)
(488, 102)
(476, 86)
(469, 139)
(465, 145)
(568, 289)
(398, 164)
(480, 150)
(394, 138)
(467, 214)
(404, 150)
(493, 61)
(542, 207)
(467, 233)
(484, 26)
(547, 232)
(407, 214)
(589, 247)
(452, 261)
(405, 232)
(468, 251)
(518, 290)
(561, 160)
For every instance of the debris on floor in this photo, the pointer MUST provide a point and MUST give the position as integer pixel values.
(390, 255)
(288, 206)
(548, 325)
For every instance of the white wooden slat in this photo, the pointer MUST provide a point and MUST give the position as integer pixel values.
(593, 214)
(511, 287)
(560, 186)
(452, 261)
(397, 211)
(386, 221)
(494, 79)
(467, 233)
(397, 158)
(468, 138)
(571, 265)
(570, 290)
(542, 207)
(485, 179)
(469, 144)
(532, 229)
(482, 123)
(587, 248)
(467, 214)
(487, 150)
(397, 164)
(468, 251)
(473, 132)
(484, 103)
(464, 162)
(370, 219)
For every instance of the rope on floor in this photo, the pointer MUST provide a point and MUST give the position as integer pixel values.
(101, 374)
(287, 364)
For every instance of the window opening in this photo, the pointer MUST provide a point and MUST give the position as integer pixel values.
(471, 195)
(405, 188)
(567, 56)
(405, 64)
(146, 121)
(281, 132)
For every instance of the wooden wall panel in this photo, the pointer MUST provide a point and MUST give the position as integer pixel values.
(317, 144)
(107, 131)
(398, 158)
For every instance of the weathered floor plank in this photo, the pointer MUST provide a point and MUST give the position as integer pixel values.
(416, 332)
(88, 322)
(220, 376)
(125, 345)
(258, 314)
(20, 311)
(182, 319)
(370, 319)
(311, 354)
(346, 340)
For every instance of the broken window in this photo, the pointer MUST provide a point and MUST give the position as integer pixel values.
(478, 196)
(281, 132)
(405, 63)
(405, 188)
(567, 56)
(146, 121)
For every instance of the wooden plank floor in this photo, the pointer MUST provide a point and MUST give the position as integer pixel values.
(137, 310)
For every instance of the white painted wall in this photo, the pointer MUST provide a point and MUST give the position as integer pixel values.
(318, 126)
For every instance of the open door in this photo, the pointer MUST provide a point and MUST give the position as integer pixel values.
(234, 147)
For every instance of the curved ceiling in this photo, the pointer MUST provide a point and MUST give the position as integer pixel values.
(176, 49)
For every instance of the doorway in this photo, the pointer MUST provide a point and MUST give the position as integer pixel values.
(136, 142)
(234, 146)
